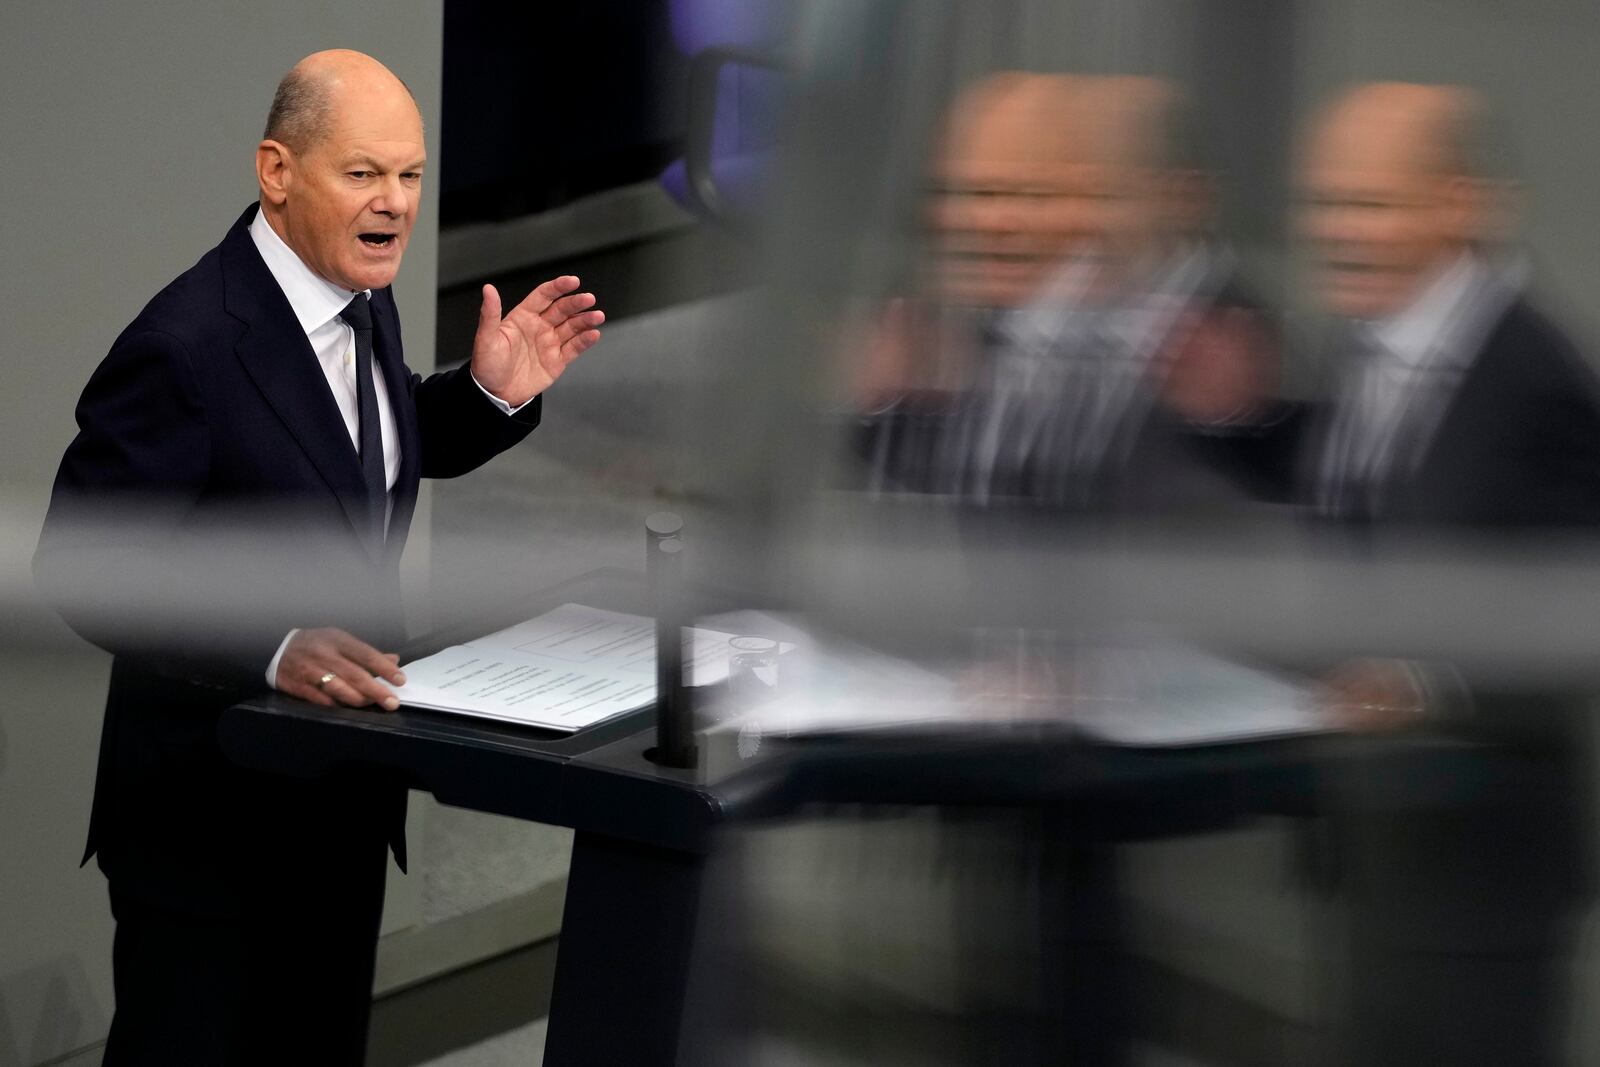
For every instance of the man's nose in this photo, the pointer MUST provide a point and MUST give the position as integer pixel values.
(392, 198)
(1012, 214)
(1343, 223)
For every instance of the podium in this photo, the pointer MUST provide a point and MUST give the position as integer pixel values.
(643, 834)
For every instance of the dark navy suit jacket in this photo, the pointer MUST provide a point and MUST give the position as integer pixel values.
(1517, 445)
(211, 501)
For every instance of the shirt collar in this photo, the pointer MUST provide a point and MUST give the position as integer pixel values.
(315, 300)
(1413, 334)
(1184, 279)
(1059, 312)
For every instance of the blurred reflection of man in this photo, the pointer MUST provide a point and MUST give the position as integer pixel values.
(1459, 405)
(1071, 281)
(1071, 261)
(1459, 402)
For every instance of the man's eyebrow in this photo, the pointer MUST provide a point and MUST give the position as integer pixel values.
(366, 161)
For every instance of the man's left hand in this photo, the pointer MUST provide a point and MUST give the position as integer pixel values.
(1373, 696)
(1225, 369)
(518, 355)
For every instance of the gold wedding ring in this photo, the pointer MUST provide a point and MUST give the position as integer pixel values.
(325, 679)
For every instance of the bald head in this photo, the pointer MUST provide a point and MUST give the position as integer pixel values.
(1395, 190)
(1421, 129)
(1015, 118)
(303, 107)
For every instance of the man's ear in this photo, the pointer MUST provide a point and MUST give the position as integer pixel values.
(274, 171)
(1504, 206)
(1476, 209)
(1190, 196)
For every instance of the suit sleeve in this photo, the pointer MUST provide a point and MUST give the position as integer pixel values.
(460, 429)
(116, 555)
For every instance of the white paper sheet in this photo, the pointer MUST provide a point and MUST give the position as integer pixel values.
(564, 670)
(1155, 694)
(1175, 695)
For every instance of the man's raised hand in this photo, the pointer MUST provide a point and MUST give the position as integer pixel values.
(516, 356)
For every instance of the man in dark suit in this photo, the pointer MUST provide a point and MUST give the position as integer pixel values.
(1071, 269)
(1455, 402)
(231, 514)
(1458, 409)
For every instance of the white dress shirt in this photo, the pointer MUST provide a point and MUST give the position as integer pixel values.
(316, 303)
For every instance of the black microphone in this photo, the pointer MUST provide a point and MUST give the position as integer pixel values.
(675, 745)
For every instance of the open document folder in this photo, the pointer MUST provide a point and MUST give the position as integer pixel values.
(564, 670)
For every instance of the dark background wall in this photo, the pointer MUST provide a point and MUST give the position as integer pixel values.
(604, 107)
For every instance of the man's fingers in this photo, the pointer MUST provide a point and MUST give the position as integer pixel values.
(387, 669)
(576, 347)
(1360, 705)
(354, 686)
(369, 659)
(386, 666)
(578, 324)
(345, 693)
(350, 686)
(555, 314)
(566, 307)
(547, 294)
(294, 681)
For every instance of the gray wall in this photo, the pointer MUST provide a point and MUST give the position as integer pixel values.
(129, 131)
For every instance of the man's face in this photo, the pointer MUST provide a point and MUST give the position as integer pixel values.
(1026, 190)
(1002, 226)
(352, 197)
(1380, 213)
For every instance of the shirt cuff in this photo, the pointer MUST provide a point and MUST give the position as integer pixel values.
(272, 668)
(496, 401)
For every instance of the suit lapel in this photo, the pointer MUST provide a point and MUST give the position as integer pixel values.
(279, 359)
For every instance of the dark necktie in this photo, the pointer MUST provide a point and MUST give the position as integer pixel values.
(358, 316)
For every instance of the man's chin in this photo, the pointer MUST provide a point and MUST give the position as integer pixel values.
(993, 288)
(369, 278)
(1363, 298)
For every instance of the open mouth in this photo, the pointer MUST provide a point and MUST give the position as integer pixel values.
(378, 240)
(985, 257)
(1354, 266)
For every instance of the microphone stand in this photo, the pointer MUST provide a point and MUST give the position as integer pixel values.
(675, 745)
